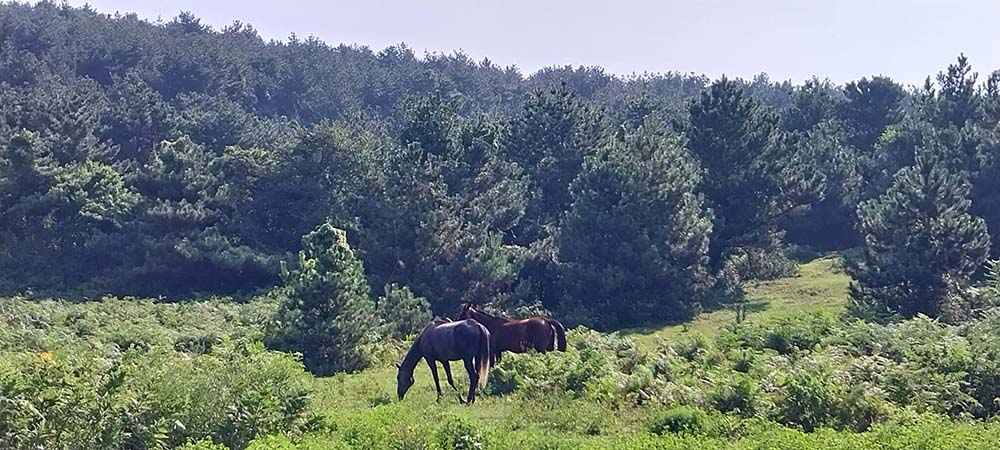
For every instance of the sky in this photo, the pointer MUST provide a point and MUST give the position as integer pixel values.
(794, 40)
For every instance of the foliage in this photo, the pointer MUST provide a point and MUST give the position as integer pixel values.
(327, 314)
(171, 159)
(683, 419)
(82, 398)
(921, 244)
(190, 362)
(634, 245)
(404, 313)
(751, 176)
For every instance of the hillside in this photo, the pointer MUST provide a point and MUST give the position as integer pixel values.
(818, 287)
(787, 378)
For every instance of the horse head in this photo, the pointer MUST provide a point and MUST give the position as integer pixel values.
(464, 311)
(404, 379)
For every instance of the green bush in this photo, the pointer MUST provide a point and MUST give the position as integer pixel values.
(691, 348)
(327, 315)
(67, 362)
(456, 433)
(983, 374)
(310, 442)
(603, 367)
(204, 444)
(118, 324)
(404, 313)
(737, 394)
(89, 399)
(682, 419)
(758, 264)
(792, 335)
(810, 397)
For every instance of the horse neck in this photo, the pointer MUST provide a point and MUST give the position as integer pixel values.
(412, 357)
(486, 319)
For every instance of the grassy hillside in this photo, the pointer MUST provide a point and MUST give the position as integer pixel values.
(819, 287)
(140, 374)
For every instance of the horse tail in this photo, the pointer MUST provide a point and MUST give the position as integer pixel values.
(560, 333)
(484, 356)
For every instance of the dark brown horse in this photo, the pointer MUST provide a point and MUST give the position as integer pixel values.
(518, 336)
(445, 341)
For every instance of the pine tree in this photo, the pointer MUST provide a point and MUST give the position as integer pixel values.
(633, 246)
(811, 104)
(403, 313)
(959, 101)
(137, 120)
(991, 99)
(549, 140)
(986, 189)
(181, 240)
(445, 195)
(752, 178)
(327, 314)
(871, 106)
(830, 221)
(921, 243)
(963, 117)
(72, 213)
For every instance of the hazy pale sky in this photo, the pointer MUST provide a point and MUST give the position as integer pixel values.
(789, 39)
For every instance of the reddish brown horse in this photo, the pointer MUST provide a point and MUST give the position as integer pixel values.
(518, 336)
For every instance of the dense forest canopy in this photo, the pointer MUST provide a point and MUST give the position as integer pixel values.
(165, 159)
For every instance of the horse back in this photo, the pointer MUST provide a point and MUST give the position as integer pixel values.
(452, 340)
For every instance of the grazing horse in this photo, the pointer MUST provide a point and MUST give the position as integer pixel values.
(445, 341)
(539, 333)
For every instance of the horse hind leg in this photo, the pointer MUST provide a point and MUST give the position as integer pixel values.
(473, 379)
(447, 372)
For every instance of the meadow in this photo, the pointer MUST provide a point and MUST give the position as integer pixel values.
(128, 373)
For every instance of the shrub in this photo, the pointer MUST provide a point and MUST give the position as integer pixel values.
(810, 397)
(89, 399)
(790, 335)
(682, 419)
(204, 444)
(116, 324)
(456, 433)
(738, 394)
(327, 315)
(605, 368)
(404, 313)
(758, 264)
(983, 375)
(691, 348)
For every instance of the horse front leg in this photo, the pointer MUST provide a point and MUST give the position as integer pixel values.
(447, 372)
(473, 379)
(434, 373)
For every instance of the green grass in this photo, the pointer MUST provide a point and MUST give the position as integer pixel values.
(349, 396)
(819, 287)
(361, 410)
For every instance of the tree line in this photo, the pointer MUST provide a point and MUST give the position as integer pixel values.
(173, 159)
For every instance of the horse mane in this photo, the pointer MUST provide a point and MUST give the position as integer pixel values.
(492, 318)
